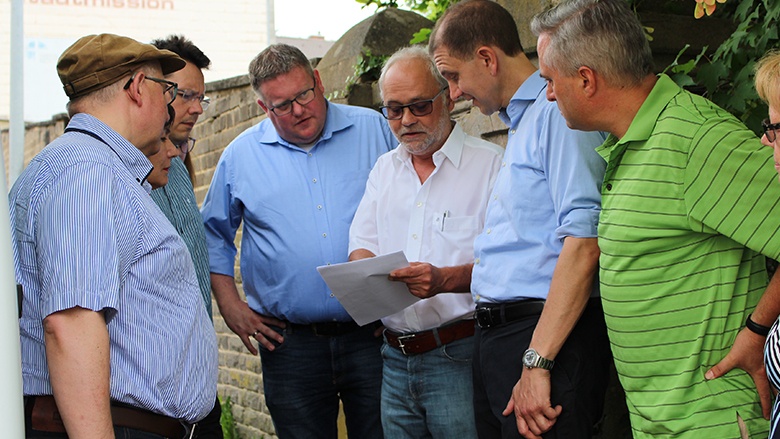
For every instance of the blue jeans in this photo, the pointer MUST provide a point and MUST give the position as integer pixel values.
(305, 376)
(428, 395)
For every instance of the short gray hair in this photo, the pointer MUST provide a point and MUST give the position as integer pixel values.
(411, 53)
(275, 60)
(604, 35)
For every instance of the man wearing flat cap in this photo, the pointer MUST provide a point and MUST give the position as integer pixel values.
(115, 338)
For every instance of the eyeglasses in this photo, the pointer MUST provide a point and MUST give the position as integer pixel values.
(770, 130)
(186, 147)
(419, 108)
(303, 99)
(191, 95)
(169, 87)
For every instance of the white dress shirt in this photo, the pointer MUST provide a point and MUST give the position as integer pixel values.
(433, 222)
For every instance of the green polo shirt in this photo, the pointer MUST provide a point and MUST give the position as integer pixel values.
(690, 201)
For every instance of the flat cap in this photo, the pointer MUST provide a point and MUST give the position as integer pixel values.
(96, 61)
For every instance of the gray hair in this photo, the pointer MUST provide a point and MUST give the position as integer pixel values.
(604, 35)
(412, 53)
(275, 60)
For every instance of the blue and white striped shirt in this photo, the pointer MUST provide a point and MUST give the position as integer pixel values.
(86, 233)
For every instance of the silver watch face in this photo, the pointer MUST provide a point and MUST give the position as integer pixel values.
(529, 358)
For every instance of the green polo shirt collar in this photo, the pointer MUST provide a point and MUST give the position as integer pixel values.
(641, 127)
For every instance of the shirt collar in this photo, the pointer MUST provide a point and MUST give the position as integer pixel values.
(664, 90)
(131, 157)
(528, 92)
(335, 120)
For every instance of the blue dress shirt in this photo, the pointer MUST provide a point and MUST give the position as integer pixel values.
(177, 201)
(548, 188)
(296, 207)
(86, 233)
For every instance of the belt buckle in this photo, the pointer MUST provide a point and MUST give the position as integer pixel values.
(484, 317)
(401, 339)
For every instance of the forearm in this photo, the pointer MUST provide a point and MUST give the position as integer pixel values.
(225, 290)
(78, 356)
(456, 279)
(768, 307)
(570, 290)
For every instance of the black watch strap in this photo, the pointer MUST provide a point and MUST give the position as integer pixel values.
(755, 327)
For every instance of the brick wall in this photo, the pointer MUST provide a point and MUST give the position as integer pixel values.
(233, 109)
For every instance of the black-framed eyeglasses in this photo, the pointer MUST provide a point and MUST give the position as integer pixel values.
(418, 108)
(186, 147)
(303, 99)
(191, 95)
(169, 87)
(770, 130)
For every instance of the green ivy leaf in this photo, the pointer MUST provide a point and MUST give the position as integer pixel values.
(421, 36)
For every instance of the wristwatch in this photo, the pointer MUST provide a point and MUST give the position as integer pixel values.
(532, 359)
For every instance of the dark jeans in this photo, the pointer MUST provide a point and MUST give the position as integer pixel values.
(306, 375)
(578, 379)
(209, 427)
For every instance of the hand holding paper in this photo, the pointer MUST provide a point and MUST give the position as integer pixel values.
(363, 287)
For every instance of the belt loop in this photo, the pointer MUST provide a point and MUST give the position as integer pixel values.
(436, 337)
(502, 309)
(189, 430)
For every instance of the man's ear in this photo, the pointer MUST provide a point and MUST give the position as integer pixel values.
(318, 82)
(487, 57)
(133, 90)
(262, 105)
(588, 80)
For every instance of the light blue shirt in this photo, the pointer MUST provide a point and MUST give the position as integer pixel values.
(296, 207)
(177, 201)
(86, 233)
(547, 189)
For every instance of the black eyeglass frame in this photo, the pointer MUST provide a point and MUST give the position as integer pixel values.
(770, 130)
(298, 99)
(168, 86)
(417, 108)
(186, 147)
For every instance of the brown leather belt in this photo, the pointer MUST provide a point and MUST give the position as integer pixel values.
(424, 341)
(41, 414)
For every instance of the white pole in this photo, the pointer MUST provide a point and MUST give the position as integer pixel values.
(270, 24)
(16, 123)
(11, 404)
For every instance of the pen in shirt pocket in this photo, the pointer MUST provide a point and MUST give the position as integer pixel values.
(443, 217)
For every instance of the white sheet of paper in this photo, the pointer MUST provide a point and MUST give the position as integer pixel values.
(364, 290)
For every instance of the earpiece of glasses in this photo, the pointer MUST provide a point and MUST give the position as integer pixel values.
(169, 87)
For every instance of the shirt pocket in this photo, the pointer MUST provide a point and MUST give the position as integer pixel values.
(456, 231)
